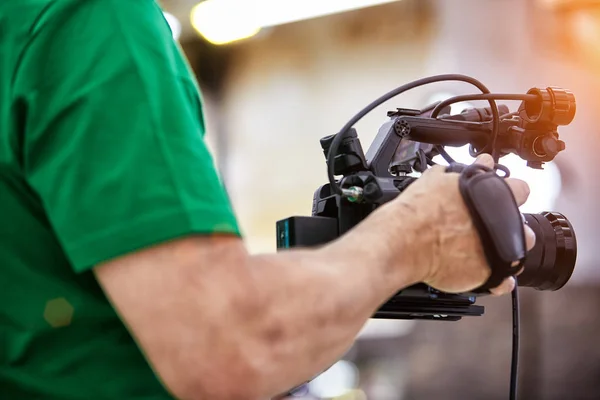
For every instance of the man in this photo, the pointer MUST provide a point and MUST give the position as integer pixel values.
(122, 270)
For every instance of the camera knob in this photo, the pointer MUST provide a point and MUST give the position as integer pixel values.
(564, 106)
(554, 105)
(400, 169)
(548, 147)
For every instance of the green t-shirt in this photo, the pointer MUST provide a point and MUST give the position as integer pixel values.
(101, 154)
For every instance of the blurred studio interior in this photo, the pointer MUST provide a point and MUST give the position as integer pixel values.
(276, 76)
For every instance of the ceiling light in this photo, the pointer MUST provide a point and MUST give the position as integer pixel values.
(225, 21)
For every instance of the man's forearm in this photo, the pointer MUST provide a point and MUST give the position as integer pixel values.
(312, 303)
(217, 323)
(311, 309)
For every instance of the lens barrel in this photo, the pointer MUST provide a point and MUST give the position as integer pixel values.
(550, 264)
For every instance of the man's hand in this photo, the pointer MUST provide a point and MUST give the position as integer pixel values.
(451, 254)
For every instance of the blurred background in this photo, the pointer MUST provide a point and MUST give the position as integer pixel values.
(277, 76)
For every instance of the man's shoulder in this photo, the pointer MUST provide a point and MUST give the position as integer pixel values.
(74, 37)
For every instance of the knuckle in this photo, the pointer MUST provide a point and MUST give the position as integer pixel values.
(436, 169)
(523, 187)
(526, 189)
(519, 188)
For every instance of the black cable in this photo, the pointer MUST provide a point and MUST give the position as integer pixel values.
(444, 154)
(423, 161)
(333, 149)
(503, 168)
(514, 365)
(495, 113)
(475, 97)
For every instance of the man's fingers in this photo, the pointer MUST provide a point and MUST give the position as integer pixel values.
(529, 237)
(434, 171)
(520, 190)
(486, 160)
(505, 287)
(508, 284)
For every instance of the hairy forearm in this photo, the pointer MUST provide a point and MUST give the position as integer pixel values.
(309, 305)
(312, 306)
(217, 323)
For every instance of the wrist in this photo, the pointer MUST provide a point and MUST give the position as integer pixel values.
(411, 245)
(390, 247)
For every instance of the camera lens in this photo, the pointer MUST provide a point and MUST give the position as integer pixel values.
(550, 264)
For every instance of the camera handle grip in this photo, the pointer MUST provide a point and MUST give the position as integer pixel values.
(497, 218)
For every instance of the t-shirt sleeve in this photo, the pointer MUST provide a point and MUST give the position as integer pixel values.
(114, 133)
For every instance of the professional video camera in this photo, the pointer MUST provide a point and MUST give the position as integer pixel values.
(406, 145)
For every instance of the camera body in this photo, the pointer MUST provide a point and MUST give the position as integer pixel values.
(405, 146)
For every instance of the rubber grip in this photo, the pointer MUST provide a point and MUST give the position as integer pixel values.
(497, 218)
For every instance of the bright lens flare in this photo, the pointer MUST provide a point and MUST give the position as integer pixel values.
(226, 21)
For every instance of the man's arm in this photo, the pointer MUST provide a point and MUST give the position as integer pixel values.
(217, 323)
(113, 149)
